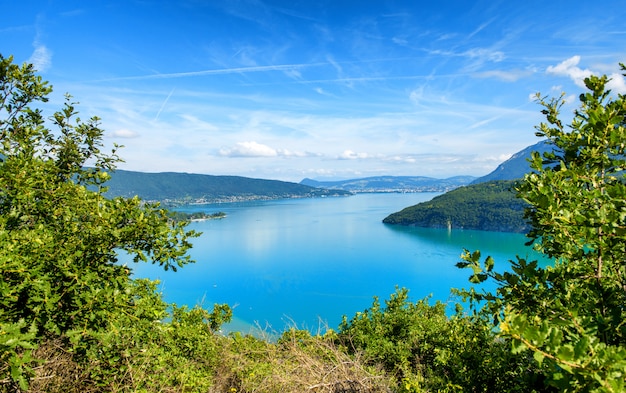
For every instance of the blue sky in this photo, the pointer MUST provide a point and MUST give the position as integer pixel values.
(326, 89)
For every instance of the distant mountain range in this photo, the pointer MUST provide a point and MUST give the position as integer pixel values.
(393, 184)
(172, 187)
(182, 188)
(489, 203)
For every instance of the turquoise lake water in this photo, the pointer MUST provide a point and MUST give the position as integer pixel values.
(308, 262)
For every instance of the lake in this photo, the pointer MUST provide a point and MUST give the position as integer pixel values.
(308, 262)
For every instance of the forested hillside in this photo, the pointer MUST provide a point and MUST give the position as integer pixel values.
(487, 204)
(187, 187)
(490, 206)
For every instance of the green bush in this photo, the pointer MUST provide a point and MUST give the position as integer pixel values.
(60, 237)
(428, 351)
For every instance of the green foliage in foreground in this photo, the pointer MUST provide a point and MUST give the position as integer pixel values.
(571, 315)
(59, 241)
(73, 320)
(427, 351)
(490, 206)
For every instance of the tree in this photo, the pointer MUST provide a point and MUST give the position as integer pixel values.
(60, 239)
(571, 314)
(426, 350)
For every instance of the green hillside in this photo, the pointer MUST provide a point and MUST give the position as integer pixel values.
(488, 203)
(490, 206)
(181, 187)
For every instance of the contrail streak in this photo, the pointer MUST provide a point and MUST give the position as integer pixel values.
(163, 104)
(238, 70)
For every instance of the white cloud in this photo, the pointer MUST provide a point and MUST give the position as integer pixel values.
(570, 69)
(41, 58)
(123, 133)
(351, 155)
(255, 149)
(617, 83)
(249, 149)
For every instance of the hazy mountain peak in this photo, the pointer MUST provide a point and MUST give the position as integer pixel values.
(516, 166)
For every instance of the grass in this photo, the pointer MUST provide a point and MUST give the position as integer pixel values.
(297, 362)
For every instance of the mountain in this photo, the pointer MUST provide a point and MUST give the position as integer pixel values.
(392, 184)
(488, 203)
(516, 166)
(187, 187)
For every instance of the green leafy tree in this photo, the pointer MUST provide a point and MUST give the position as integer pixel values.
(429, 351)
(571, 314)
(60, 238)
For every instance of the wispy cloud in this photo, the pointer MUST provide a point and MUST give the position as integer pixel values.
(323, 92)
(486, 54)
(163, 105)
(223, 71)
(482, 55)
(41, 58)
(280, 90)
(506, 76)
(400, 41)
(479, 29)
